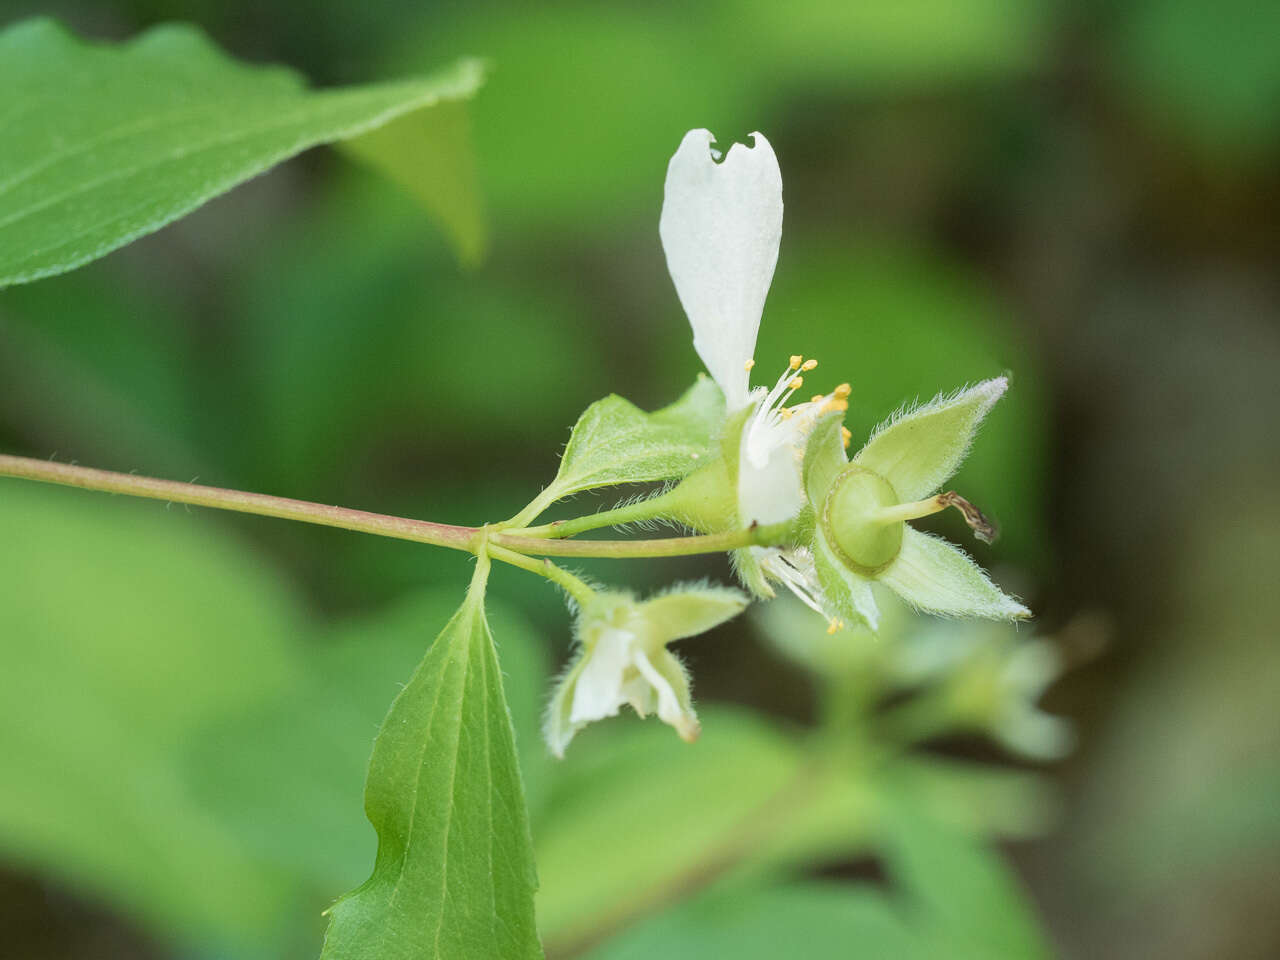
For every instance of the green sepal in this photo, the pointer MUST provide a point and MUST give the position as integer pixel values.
(751, 574)
(614, 441)
(932, 575)
(454, 875)
(848, 592)
(707, 500)
(919, 449)
(824, 458)
(691, 609)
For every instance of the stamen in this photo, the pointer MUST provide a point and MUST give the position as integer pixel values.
(749, 364)
(815, 398)
(842, 391)
(809, 365)
(796, 384)
(845, 436)
(832, 626)
(796, 360)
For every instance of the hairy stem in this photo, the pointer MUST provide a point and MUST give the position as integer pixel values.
(471, 539)
(420, 531)
(626, 513)
(543, 567)
(760, 536)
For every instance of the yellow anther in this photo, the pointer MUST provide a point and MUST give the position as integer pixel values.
(815, 398)
(834, 406)
(796, 360)
(842, 391)
(796, 384)
(845, 435)
(786, 413)
(832, 626)
(808, 364)
(748, 365)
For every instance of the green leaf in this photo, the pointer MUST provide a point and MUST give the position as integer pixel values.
(291, 770)
(919, 449)
(932, 575)
(454, 876)
(614, 441)
(434, 160)
(105, 144)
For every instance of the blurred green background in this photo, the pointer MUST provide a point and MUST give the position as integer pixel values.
(1085, 195)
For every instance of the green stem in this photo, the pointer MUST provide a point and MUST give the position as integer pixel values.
(626, 513)
(760, 536)
(572, 585)
(419, 531)
(535, 508)
(471, 539)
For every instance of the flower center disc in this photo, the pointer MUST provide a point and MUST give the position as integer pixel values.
(850, 514)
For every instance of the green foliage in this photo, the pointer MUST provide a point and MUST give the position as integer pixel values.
(291, 769)
(104, 145)
(948, 897)
(663, 811)
(1211, 71)
(454, 877)
(614, 441)
(125, 631)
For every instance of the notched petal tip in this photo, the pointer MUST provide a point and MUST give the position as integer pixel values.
(721, 224)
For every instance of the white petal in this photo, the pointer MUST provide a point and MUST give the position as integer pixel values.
(770, 486)
(721, 224)
(599, 689)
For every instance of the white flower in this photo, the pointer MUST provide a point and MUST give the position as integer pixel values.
(623, 658)
(721, 225)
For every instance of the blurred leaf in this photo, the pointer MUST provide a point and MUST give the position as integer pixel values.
(948, 897)
(959, 888)
(614, 441)
(909, 43)
(588, 101)
(96, 365)
(1210, 68)
(124, 629)
(808, 919)
(454, 875)
(634, 814)
(103, 145)
(359, 344)
(430, 155)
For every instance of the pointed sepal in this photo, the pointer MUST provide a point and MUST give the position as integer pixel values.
(932, 575)
(919, 449)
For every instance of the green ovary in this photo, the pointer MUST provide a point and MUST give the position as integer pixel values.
(851, 519)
